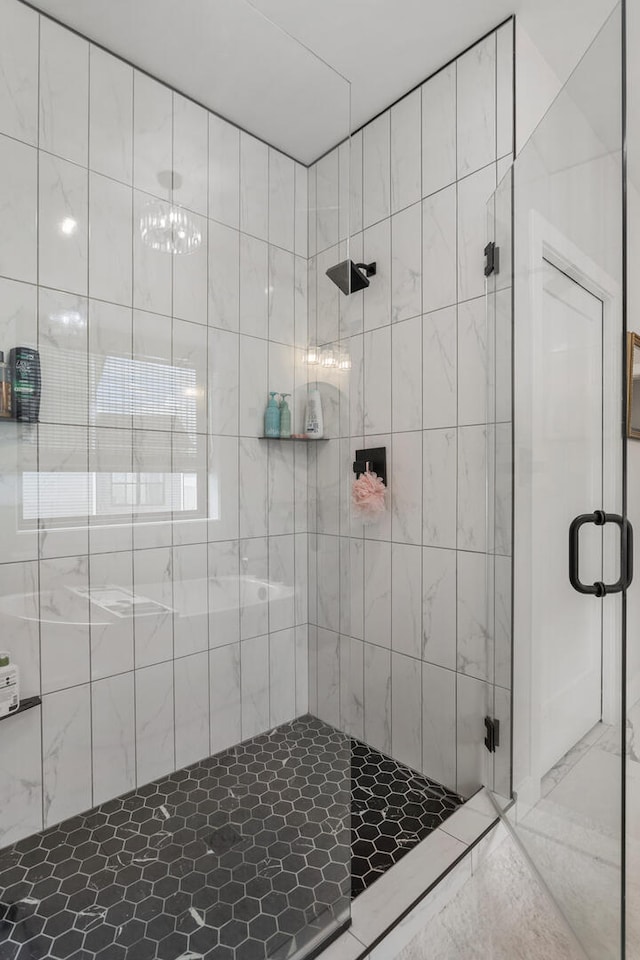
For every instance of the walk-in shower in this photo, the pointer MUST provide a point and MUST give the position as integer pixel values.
(242, 705)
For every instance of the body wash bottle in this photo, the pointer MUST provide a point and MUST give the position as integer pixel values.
(272, 417)
(314, 426)
(6, 410)
(285, 417)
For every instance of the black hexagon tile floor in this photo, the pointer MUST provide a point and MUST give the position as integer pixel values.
(249, 855)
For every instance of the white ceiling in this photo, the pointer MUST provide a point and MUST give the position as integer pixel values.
(229, 55)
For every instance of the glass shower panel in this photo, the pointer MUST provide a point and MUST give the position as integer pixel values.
(567, 462)
(165, 789)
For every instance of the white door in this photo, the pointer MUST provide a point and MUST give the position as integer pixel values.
(567, 422)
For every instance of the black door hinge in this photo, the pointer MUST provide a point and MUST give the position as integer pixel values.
(492, 259)
(492, 739)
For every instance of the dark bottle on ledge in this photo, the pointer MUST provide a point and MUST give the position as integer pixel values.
(26, 383)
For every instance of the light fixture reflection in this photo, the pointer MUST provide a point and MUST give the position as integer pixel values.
(169, 229)
(68, 226)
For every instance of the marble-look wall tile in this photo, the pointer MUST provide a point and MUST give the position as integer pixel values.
(439, 607)
(189, 369)
(151, 454)
(110, 116)
(62, 225)
(190, 600)
(255, 686)
(406, 718)
(502, 621)
(62, 341)
(224, 593)
(223, 347)
(152, 136)
(191, 679)
(152, 273)
(477, 106)
(472, 499)
(301, 302)
(439, 488)
(66, 754)
(155, 748)
(327, 581)
(377, 249)
(110, 354)
(224, 682)
(111, 636)
(152, 335)
(301, 579)
(377, 384)
(254, 587)
(19, 618)
(153, 632)
(377, 170)
(190, 279)
(406, 375)
(328, 298)
(281, 295)
(328, 489)
(113, 736)
(280, 503)
(439, 369)
(223, 488)
(253, 472)
(406, 593)
(64, 92)
(504, 89)
(503, 532)
(21, 781)
(301, 210)
(282, 676)
(475, 644)
(224, 171)
(254, 186)
(302, 669)
(377, 593)
(64, 511)
(406, 487)
(190, 155)
(19, 209)
(472, 362)
(439, 250)
(352, 686)
(472, 706)
(254, 288)
(406, 263)
(64, 628)
(253, 386)
(473, 193)
(19, 83)
(439, 725)
(406, 146)
(328, 676)
(111, 247)
(224, 276)
(356, 182)
(352, 307)
(439, 131)
(282, 583)
(327, 201)
(377, 697)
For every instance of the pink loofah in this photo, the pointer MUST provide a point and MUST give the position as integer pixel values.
(368, 496)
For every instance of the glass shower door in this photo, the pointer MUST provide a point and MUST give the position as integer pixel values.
(563, 303)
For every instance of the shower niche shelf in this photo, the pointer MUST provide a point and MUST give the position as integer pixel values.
(27, 704)
(296, 439)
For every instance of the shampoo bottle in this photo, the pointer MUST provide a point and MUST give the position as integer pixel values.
(26, 383)
(314, 426)
(9, 685)
(285, 417)
(272, 417)
(5, 389)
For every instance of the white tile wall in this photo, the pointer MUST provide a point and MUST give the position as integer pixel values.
(415, 657)
(155, 374)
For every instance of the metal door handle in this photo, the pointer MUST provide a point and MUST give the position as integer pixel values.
(600, 518)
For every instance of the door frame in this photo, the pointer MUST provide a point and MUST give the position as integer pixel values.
(547, 243)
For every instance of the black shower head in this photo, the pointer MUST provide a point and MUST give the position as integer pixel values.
(351, 277)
